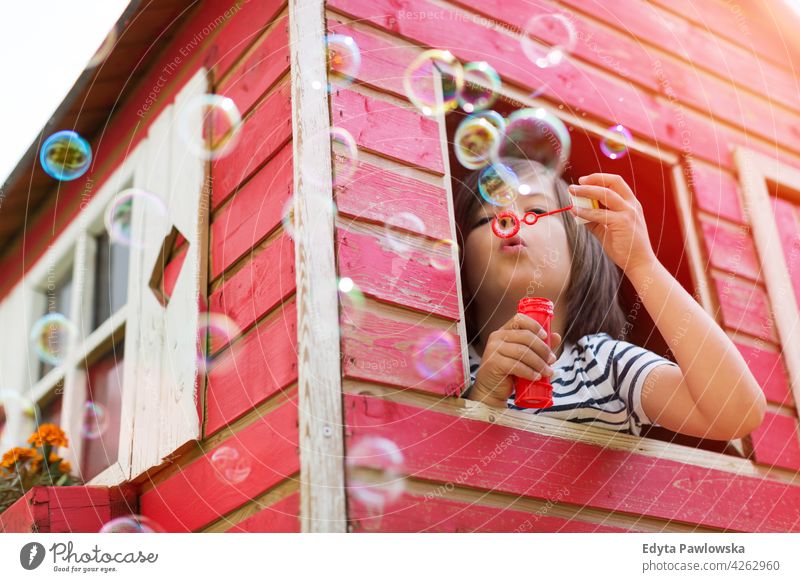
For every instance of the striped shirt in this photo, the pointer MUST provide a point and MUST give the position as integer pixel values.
(597, 381)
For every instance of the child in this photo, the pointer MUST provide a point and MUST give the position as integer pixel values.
(597, 377)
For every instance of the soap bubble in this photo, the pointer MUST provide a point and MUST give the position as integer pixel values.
(101, 54)
(345, 155)
(492, 117)
(216, 331)
(375, 476)
(435, 354)
(95, 420)
(65, 155)
(52, 336)
(351, 300)
(343, 58)
(419, 82)
(395, 231)
(230, 466)
(119, 215)
(481, 84)
(616, 145)
(498, 184)
(210, 125)
(443, 256)
(476, 141)
(556, 35)
(132, 524)
(538, 135)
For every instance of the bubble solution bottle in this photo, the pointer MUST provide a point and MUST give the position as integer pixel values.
(527, 393)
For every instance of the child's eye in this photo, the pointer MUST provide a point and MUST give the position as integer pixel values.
(536, 210)
(482, 221)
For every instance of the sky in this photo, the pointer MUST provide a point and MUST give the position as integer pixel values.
(45, 44)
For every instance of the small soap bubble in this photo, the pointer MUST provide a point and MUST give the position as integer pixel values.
(343, 58)
(101, 54)
(435, 355)
(95, 420)
(476, 141)
(420, 85)
(210, 125)
(444, 254)
(548, 39)
(52, 336)
(616, 145)
(498, 184)
(132, 524)
(230, 466)
(375, 473)
(493, 117)
(118, 217)
(538, 135)
(396, 228)
(481, 84)
(351, 300)
(65, 155)
(345, 155)
(215, 332)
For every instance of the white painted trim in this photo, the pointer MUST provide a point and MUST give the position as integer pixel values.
(321, 429)
(754, 170)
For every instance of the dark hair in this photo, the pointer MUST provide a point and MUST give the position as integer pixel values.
(592, 301)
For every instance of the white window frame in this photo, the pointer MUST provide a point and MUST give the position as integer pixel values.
(755, 170)
(160, 163)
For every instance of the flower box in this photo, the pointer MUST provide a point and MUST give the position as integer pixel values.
(68, 509)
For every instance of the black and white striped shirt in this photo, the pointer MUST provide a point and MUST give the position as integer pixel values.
(597, 381)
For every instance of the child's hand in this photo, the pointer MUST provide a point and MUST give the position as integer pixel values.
(620, 226)
(516, 349)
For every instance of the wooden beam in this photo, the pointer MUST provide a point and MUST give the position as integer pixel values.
(321, 438)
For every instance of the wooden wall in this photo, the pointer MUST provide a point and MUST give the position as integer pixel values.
(681, 78)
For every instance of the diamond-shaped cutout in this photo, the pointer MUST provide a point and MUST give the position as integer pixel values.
(165, 255)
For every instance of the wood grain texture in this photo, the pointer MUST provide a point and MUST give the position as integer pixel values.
(200, 492)
(769, 370)
(715, 191)
(745, 307)
(322, 498)
(252, 369)
(442, 448)
(280, 517)
(777, 441)
(253, 212)
(731, 249)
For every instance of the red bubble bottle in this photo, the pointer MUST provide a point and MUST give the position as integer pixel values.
(527, 393)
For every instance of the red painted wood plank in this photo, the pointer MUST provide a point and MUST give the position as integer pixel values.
(246, 21)
(379, 349)
(254, 211)
(385, 128)
(655, 119)
(787, 218)
(777, 441)
(444, 448)
(418, 513)
(627, 57)
(699, 47)
(406, 279)
(280, 517)
(731, 249)
(259, 71)
(715, 191)
(745, 307)
(259, 286)
(199, 493)
(263, 133)
(253, 369)
(770, 372)
(379, 195)
(172, 270)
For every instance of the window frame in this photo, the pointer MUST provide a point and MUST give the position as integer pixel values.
(755, 170)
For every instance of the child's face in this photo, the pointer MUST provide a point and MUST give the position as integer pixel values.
(497, 270)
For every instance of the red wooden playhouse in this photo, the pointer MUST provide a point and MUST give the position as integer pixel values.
(262, 437)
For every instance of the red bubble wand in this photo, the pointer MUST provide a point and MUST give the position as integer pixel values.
(509, 219)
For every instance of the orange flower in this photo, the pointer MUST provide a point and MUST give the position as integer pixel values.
(50, 434)
(16, 456)
(64, 466)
